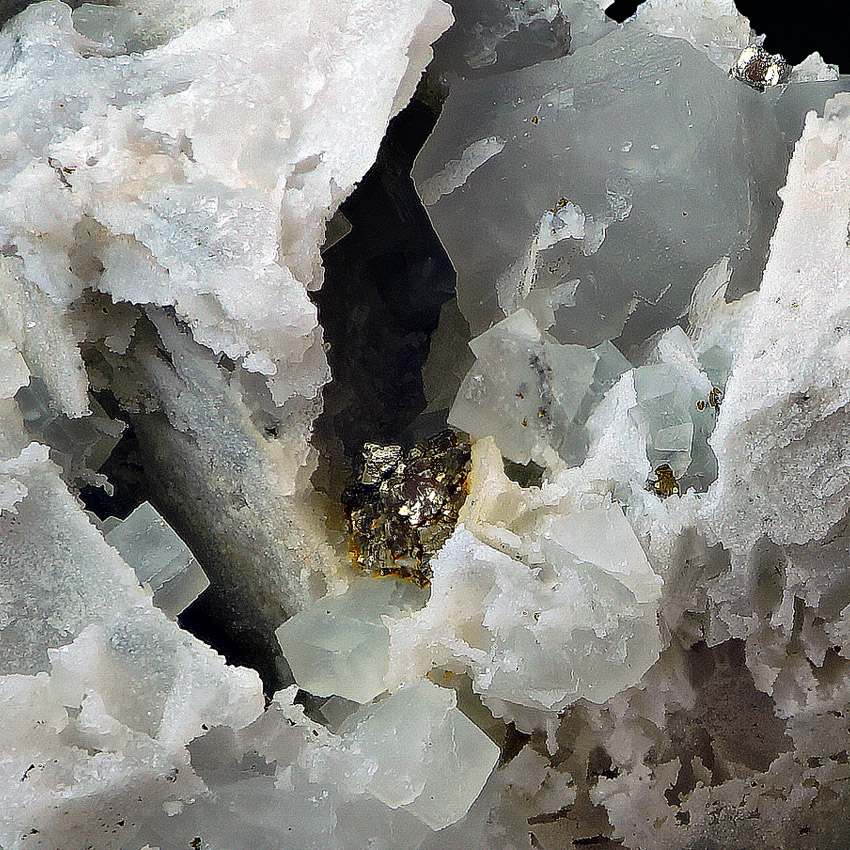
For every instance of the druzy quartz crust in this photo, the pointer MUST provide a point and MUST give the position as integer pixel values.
(423, 425)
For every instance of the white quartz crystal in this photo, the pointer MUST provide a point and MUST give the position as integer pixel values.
(41, 331)
(183, 155)
(13, 370)
(781, 433)
(285, 781)
(92, 746)
(14, 472)
(187, 180)
(717, 326)
(715, 27)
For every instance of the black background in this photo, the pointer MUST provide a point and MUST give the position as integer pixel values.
(793, 29)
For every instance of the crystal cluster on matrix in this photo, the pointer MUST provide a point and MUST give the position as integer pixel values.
(405, 505)
(616, 615)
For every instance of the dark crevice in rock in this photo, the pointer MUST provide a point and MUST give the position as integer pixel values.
(582, 824)
(732, 722)
(833, 672)
(515, 740)
(125, 470)
(385, 283)
(795, 36)
(599, 763)
(621, 10)
(525, 474)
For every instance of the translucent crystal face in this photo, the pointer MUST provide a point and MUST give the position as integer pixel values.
(161, 560)
(670, 163)
(579, 620)
(81, 445)
(339, 645)
(429, 758)
(524, 390)
(664, 407)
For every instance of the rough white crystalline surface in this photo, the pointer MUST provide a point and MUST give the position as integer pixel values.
(96, 744)
(193, 169)
(781, 438)
(542, 604)
(775, 587)
(397, 770)
(199, 172)
(188, 156)
(182, 156)
(715, 27)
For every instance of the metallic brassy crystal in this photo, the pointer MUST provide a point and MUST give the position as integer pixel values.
(665, 483)
(758, 68)
(405, 506)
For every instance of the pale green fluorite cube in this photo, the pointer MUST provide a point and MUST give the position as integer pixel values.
(160, 559)
(429, 757)
(339, 645)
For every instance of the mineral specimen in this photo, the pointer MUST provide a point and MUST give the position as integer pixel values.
(663, 162)
(430, 759)
(159, 557)
(629, 614)
(79, 446)
(543, 605)
(758, 68)
(530, 387)
(339, 646)
(405, 505)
